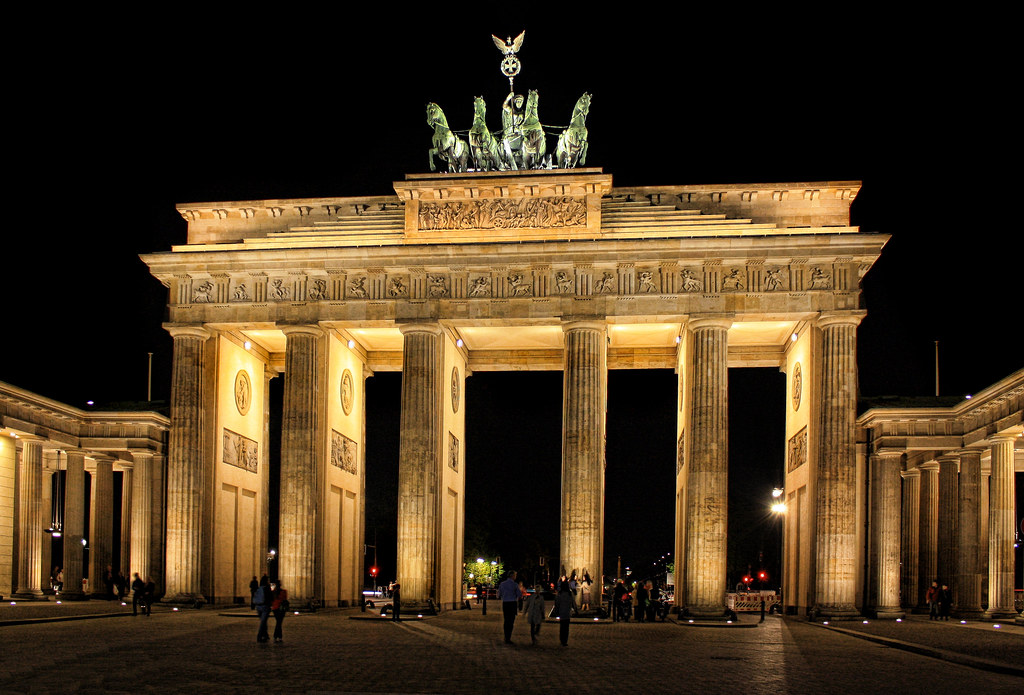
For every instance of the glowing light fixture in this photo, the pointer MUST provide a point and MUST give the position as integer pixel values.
(248, 345)
(351, 344)
(458, 343)
(793, 337)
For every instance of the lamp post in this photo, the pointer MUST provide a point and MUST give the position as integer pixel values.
(778, 508)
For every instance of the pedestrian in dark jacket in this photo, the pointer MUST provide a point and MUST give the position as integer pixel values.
(263, 599)
(563, 611)
(138, 594)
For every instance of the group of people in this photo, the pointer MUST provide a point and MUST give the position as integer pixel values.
(642, 604)
(269, 596)
(939, 601)
(535, 607)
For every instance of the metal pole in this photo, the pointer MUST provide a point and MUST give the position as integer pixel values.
(149, 379)
(936, 368)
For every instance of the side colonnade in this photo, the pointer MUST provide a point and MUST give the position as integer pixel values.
(56, 463)
(943, 475)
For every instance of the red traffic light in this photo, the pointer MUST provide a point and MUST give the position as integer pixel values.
(762, 575)
(747, 580)
(373, 571)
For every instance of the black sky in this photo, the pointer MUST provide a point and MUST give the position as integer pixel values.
(130, 117)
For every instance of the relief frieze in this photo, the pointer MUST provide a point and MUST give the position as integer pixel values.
(503, 213)
(797, 450)
(240, 451)
(343, 452)
(690, 281)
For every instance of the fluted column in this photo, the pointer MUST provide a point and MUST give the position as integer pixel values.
(30, 520)
(101, 525)
(301, 464)
(928, 532)
(186, 470)
(1001, 529)
(584, 398)
(264, 534)
(967, 583)
(141, 511)
(158, 523)
(835, 573)
(947, 533)
(707, 504)
(126, 522)
(910, 516)
(419, 461)
(74, 525)
(885, 532)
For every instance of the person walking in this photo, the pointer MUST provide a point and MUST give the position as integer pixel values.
(617, 597)
(149, 595)
(932, 599)
(396, 601)
(253, 585)
(535, 612)
(138, 594)
(945, 602)
(508, 592)
(279, 606)
(262, 599)
(563, 611)
(641, 602)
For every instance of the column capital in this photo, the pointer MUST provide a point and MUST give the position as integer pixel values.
(584, 324)
(969, 451)
(887, 452)
(833, 318)
(930, 466)
(181, 330)
(699, 322)
(1003, 437)
(290, 329)
(912, 473)
(420, 327)
(950, 457)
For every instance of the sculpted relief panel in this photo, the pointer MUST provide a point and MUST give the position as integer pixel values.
(503, 213)
(624, 279)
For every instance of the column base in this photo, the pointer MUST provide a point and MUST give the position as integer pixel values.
(969, 613)
(72, 596)
(889, 613)
(29, 595)
(196, 600)
(998, 614)
(708, 613)
(835, 613)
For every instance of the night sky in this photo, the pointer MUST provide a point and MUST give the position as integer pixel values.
(214, 108)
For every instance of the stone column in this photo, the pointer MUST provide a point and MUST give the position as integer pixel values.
(419, 460)
(885, 532)
(584, 400)
(101, 525)
(707, 502)
(74, 525)
(30, 520)
(301, 464)
(186, 470)
(141, 512)
(928, 532)
(967, 583)
(835, 575)
(126, 523)
(158, 522)
(1001, 530)
(910, 517)
(264, 534)
(947, 533)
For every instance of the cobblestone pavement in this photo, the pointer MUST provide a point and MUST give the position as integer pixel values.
(463, 652)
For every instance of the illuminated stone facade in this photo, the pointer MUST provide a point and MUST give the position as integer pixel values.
(957, 464)
(47, 451)
(548, 270)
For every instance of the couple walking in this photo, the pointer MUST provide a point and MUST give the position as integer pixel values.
(535, 608)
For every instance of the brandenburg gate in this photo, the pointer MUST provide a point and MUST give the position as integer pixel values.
(510, 270)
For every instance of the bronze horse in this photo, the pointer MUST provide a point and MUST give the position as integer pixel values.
(446, 144)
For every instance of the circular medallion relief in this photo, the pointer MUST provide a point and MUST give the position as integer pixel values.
(455, 389)
(243, 392)
(347, 391)
(798, 386)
